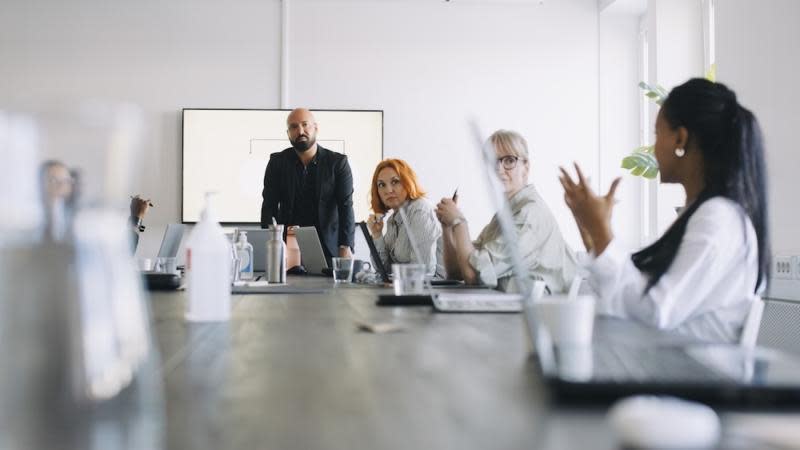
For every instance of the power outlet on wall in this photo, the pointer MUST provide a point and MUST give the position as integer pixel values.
(796, 267)
(785, 282)
(783, 267)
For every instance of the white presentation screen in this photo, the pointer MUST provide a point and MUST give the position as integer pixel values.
(227, 150)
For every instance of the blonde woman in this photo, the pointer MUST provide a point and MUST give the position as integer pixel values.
(487, 260)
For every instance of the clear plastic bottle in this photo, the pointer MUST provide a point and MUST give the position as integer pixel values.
(245, 251)
(208, 266)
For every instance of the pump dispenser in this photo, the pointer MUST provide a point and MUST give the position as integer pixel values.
(244, 250)
(208, 266)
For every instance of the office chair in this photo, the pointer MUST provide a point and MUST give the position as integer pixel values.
(779, 326)
(752, 324)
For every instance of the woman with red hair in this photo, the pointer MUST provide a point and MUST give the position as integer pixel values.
(395, 186)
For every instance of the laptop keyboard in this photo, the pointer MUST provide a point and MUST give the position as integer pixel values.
(650, 365)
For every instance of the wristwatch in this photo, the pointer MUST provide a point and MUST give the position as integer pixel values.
(458, 220)
(137, 222)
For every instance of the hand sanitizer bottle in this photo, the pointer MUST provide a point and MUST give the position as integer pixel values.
(208, 265)
(245, 251)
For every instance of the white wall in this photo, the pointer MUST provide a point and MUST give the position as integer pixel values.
(757, 57)
(161, 55)
(432, 65)
(676, 55)
(429, 65)
(619, 118)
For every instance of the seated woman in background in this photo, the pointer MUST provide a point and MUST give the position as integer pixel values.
(701, 277)
(58, 197)
(488, 260)
(138, 207)
(394, 185)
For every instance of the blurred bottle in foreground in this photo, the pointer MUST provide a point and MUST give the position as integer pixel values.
(81, 370)
(208, 268)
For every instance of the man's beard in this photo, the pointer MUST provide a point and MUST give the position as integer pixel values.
(302, 146)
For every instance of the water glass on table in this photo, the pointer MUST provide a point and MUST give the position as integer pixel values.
(166, 264)
(342, 270)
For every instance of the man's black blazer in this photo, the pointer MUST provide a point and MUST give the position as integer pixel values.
(334, 196)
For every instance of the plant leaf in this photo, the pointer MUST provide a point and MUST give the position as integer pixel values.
(656, 93)
(650, 173)
(711, 75)
(641, 163)
(651, 149)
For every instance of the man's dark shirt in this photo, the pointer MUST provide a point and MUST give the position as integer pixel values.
(305, 203)
(329, 209)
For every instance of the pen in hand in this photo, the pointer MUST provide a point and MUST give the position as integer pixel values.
(455, 195)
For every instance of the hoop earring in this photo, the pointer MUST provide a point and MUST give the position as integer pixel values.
(679, 152)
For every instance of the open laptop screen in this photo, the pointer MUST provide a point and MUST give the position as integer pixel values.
(373, 252)
(311, 250)
(171, 241)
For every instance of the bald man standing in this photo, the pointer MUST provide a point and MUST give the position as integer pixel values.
(308, 185)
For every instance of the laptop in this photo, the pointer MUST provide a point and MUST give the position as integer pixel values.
(627, 358)
(313, 258)
(377, 263)
(171, 242)
(477, 301)
(382, 271)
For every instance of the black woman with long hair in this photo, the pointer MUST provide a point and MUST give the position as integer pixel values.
(701, 277)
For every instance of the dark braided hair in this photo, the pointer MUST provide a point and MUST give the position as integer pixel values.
(729, 138)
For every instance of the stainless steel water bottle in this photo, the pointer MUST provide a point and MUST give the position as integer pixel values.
(276, 255)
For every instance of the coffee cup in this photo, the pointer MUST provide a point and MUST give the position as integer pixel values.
(144, 264)
(568, 321)
(360, 266)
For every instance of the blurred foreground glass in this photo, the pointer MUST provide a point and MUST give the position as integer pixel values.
(568, 321)
(80, 369)
(21, 214)
(408, 279)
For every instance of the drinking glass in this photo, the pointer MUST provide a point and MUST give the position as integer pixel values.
(342, 270)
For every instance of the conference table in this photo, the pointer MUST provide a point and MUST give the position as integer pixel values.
(295, 371)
